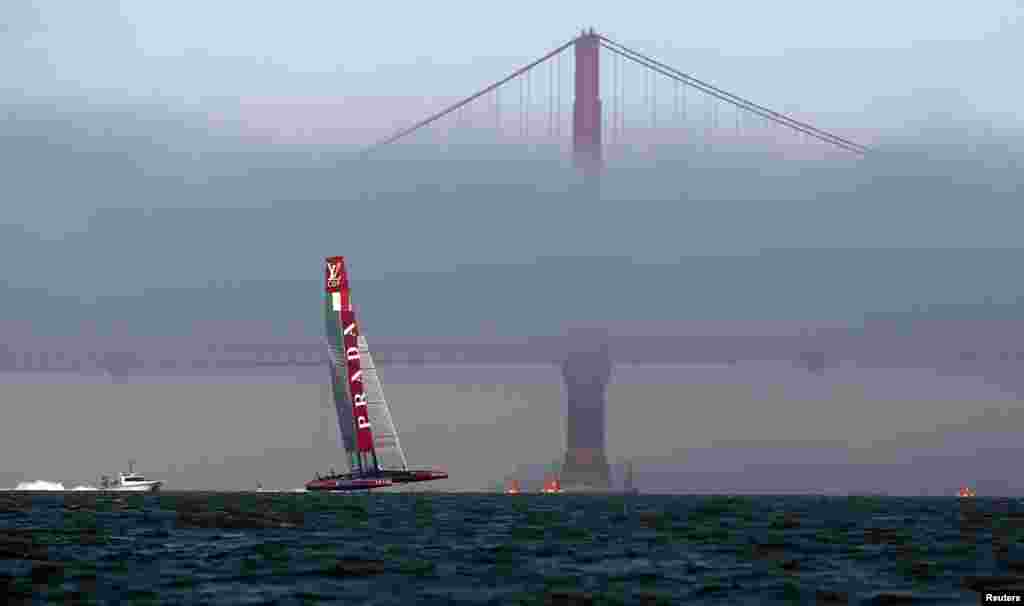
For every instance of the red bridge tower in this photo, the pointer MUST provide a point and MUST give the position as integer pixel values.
(586, 112)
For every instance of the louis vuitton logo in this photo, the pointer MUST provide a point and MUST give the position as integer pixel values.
(333, 275)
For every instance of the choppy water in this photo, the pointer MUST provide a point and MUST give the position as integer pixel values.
(388, 548)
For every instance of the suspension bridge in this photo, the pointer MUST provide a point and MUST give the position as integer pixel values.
(562, 99)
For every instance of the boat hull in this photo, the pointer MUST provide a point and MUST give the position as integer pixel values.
(153, 486)
(350, 484)
(403, 476)
(380, 479)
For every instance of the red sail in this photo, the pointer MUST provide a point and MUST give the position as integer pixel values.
(336, 282)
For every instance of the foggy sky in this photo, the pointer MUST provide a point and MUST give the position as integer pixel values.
(195, 162)
(112, 49)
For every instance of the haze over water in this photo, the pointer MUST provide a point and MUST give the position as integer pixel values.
(189, 186)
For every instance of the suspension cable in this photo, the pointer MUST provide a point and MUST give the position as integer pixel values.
(558, 87)
(551, 100)
(733, 99)
(410, 129)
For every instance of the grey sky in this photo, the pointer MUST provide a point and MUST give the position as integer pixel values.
(818, 57)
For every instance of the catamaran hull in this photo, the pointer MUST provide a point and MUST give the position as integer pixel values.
(381, 479)
(414, 475)
(348, 484)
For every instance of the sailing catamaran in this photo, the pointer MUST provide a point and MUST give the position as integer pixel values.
(367, 432)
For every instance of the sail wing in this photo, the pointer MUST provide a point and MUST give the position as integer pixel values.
(339, 383)
(337, 288)
(385, 436)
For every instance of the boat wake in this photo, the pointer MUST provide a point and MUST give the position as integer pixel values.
(44, 485)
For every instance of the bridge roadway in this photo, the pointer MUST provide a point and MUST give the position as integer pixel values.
(993, 350)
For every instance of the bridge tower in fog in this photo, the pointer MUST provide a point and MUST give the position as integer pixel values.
(586, 371)
(586, 110)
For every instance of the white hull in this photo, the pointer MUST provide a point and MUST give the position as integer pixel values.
(139, 487)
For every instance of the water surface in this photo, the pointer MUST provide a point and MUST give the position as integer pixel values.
(424, 548)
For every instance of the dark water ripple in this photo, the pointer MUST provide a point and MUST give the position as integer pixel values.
(217, 548)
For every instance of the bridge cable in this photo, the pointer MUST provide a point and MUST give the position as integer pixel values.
(615, 100)
(736, 100)
(558, 118)
(551, 100)
(622, 97)
(524, 104)
(410, 129)
(654, 102)
(726, 96)
(529, 103)
(740, 102)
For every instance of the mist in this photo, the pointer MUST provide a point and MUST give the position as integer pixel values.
(167, 174)
(160, 208)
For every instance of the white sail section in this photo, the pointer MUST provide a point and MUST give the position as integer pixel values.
(339, 391)
(385, 436)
